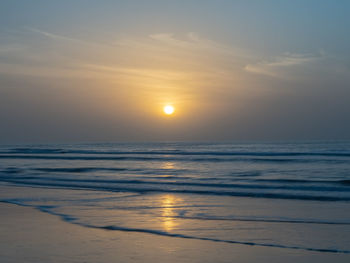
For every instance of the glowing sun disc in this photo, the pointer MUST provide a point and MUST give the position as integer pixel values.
(168, 109)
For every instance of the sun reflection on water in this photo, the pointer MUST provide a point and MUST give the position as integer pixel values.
(168, 204)
(168, 165)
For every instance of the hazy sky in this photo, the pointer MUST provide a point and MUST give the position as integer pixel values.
(234, 70)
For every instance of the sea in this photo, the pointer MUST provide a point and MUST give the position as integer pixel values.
(294, 196)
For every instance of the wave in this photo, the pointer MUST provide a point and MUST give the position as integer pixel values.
(302, 181)
(345, 182)
(37, 150)
(108, 169)
(132, 187)
(198, 174)
(265, 220)
(173, 152)
(79, 169)
(168, 158)
(74, 220)
(179, 183)
(163, 233)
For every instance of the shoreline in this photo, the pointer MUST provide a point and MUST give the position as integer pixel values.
(30, 235)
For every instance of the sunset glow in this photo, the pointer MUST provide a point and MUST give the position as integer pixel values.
(175, 131)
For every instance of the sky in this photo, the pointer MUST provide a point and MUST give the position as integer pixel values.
(102, 71)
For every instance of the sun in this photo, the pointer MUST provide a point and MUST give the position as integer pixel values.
(168, 109)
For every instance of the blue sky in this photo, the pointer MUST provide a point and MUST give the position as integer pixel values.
(234, 70)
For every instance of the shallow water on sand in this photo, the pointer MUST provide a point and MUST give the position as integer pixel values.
(293, 196)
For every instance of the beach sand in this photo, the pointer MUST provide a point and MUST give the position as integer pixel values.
(28, 235)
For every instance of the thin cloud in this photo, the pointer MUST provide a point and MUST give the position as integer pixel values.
(165, 57)
(137, 72)
(190, 42)
(58, 37)
(278, 66)
(51, 35)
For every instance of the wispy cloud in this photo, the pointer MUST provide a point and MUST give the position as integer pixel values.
(278, 66)
(62, 38)
(157, 59)
(50, 35)
(190, 42)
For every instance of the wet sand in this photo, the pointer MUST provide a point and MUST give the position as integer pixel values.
(28, 235)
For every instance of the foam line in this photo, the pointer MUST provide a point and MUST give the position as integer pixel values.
(73, 220)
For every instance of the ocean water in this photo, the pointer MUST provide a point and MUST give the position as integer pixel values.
(287, 195)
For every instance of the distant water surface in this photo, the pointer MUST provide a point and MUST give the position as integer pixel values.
(289, 195)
